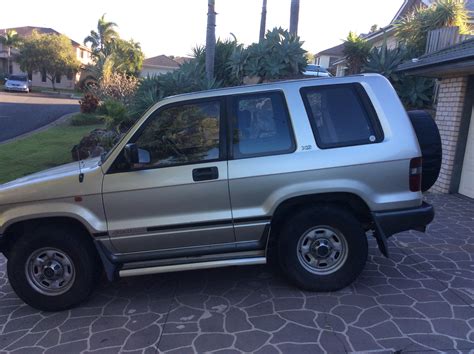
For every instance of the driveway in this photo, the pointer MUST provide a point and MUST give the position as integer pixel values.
(21, 113)
(420, 300)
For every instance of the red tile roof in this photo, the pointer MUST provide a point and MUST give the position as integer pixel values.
(161, 60)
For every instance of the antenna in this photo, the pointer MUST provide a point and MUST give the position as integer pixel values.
(81, 175)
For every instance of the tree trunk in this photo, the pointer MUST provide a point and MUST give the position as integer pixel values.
(52, 78)
(263, 21)
(294, 14)
(210, 40)
(9, 61)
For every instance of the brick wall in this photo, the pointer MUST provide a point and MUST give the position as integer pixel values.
(452, 92)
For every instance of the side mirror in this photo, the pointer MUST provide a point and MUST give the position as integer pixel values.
(130, 153)
(134, 155)
(29, 81)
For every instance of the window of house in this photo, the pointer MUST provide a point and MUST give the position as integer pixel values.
(43, 76)
(341, 115)
(182, 134)
(82, 53)
(30, 75)
(261, 125)
(58, 79)
(70, 75)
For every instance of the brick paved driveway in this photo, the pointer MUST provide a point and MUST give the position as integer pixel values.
(420, 300)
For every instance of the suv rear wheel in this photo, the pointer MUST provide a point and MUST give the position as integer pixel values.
(322, 248)
(53, 268)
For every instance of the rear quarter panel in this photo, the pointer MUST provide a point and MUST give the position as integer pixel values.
(378, 172)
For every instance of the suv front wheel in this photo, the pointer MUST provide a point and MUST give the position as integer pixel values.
(322, 248)
(53, 268)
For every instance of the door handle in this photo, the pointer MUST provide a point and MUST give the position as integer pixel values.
(205, 174)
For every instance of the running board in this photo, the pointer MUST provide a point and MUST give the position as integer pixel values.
(192, 266)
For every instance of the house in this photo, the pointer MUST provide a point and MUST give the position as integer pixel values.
(454, 67)
(69, 81)
(328, 57)
(387, 33)
(158, 65)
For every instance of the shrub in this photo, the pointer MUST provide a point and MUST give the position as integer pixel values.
(89, 103)
(117, 116)
(116, 86)
(86, 119)
(280, 55)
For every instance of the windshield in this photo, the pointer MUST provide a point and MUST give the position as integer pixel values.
(17, 78)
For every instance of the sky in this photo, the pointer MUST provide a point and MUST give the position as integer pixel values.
(174, 27)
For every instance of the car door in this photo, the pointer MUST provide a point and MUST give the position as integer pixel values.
(177, 199)
(261, 155)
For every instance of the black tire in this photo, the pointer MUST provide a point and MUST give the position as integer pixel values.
(72, 243)
(430, 144)
(345, 225)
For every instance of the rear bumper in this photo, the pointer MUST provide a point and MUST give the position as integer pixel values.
(388, 223)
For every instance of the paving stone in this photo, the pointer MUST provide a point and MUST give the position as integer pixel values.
(142, 338)
(295, 333)
(410, 326)
(384, 330)
(268, 323)
(17, 324)
(174, 341)
(108, 338)
(434, 309)
(300, 348)
(236, 320)
(303, 317)
(360, 340)
(250, 341)
(210, 342)
(452, 327)
(371, 317)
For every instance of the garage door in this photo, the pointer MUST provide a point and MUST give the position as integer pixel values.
(466, 186)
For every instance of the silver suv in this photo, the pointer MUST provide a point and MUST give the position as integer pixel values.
(298, 172)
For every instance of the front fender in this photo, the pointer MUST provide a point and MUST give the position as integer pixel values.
(88, 212)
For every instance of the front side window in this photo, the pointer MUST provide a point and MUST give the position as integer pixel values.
(182, 134)
(261, 125)
(341, 115)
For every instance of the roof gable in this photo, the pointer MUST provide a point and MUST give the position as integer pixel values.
(161, 60)
(27, 31)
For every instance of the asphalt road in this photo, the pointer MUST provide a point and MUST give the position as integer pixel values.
(21, 113)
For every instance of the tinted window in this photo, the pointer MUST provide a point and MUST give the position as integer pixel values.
(182, 134)
(261, 125)
(341, 115)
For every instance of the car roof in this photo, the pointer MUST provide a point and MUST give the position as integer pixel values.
(268, 86)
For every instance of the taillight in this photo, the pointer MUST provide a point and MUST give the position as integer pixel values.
(415, 174)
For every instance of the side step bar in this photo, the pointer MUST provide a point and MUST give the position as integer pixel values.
(192, 266)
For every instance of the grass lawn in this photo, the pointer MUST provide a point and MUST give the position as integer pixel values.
(40, 151)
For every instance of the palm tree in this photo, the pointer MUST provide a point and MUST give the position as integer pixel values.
(294, 14)
(10, 40)
(263, 21)
(210, 40)
(105, 34)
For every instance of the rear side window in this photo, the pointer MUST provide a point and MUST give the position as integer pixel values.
(341, 115)
(261, 125)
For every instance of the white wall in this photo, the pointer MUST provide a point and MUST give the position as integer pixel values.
(151, 71)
